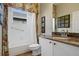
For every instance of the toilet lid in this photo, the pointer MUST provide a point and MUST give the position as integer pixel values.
(34, 45)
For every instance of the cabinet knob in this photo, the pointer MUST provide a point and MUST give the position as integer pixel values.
(54, 43)
(50, 42)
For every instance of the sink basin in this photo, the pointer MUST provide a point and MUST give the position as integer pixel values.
(61, 38)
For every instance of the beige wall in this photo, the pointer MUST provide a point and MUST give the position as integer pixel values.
(46, 10)
(66, 8)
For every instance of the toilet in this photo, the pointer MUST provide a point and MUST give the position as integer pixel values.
(35, 48)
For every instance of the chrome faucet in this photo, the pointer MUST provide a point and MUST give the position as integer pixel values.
(64, 34)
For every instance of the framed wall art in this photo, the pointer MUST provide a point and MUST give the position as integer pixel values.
(43, 24)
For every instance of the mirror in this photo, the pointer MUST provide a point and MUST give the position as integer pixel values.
(66, 19)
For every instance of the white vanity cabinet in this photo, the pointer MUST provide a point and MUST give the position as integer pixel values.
(46, 47)
(62, 49)
(54, 48)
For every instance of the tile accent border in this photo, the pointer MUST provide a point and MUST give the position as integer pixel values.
(5, 51)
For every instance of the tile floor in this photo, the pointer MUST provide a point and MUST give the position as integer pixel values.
(26, 54)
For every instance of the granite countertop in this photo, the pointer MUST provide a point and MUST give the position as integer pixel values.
(67, 40)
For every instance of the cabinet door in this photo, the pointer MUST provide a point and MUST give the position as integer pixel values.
(61, 49)
(46, 47)
(75, 22)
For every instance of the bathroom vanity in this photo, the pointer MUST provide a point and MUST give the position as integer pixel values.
(58, 46)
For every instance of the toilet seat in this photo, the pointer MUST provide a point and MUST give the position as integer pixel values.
(34, 45)
(35, 48)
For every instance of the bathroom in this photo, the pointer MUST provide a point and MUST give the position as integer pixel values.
(52, 27)
(64, 35)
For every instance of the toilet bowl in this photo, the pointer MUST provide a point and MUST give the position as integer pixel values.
(35, 48)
